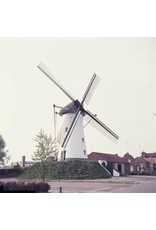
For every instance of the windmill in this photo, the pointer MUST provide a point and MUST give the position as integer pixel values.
(71, 135)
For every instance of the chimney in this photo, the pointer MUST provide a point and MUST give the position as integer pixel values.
(143, 154)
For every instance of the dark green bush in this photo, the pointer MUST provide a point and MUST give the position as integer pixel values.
(7, 173)
(24, 187)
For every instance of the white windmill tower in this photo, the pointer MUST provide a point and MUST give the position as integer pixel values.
(71, 135)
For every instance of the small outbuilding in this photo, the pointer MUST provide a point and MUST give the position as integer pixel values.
(116, 165)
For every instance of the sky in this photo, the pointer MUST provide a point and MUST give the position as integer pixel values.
(124, 99)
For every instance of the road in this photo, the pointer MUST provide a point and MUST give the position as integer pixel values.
(129, 184)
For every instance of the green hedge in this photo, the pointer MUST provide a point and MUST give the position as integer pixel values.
(66, 170)
(7, 173)
(24, 187)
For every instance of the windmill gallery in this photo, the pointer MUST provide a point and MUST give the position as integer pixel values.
(71, 137)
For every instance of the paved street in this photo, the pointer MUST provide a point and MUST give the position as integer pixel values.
(129, 184)
(143, 185)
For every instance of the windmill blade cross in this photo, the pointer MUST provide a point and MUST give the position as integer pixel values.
(100, 126)
(45, 70)
(90, 89)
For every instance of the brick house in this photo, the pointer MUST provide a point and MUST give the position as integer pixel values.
(152, 164)
(142, 165)
(148, 155)
(131, 160)
(113, 162)
(146, 163)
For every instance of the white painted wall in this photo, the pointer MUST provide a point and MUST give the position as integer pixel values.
(76, 147)
(115, 173)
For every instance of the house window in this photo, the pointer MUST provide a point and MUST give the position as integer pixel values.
(142, 170)
(138, 168)
(141, 165)
(131, 168)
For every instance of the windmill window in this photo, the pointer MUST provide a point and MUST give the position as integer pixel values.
(84, 152)
(66, 129)
(83, 140)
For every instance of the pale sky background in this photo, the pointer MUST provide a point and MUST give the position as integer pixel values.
(124, 99)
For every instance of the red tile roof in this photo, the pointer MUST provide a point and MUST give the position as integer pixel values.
(107, 157)
(128, 156)
(151, 160)
(150, 154)
(146, 155)
(140, 160)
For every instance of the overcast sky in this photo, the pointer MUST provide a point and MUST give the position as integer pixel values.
(124, 99)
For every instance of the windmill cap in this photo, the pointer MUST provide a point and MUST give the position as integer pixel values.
(70, 108)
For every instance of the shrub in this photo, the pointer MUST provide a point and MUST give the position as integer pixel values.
(24, 187)
(7, 173)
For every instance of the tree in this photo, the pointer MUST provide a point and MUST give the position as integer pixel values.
(46, 147)
(4, 158)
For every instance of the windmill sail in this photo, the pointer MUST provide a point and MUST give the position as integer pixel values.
(100, 126)
(91, 88)
(71, 128)
(64, 128)
(45, 70)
